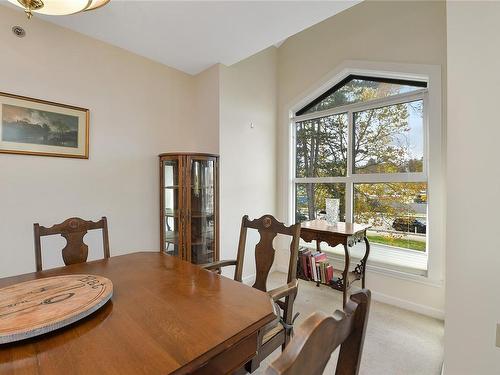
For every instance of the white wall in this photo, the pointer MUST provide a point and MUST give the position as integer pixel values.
(397, 33)
(248, 155)
(473, 257)
(138, 109)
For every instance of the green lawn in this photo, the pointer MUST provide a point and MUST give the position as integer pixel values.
(398, 242)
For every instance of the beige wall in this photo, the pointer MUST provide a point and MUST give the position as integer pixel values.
(473, 258)
(248, 155)
(206, 110)
(390, 31)
(138, 109)
(374, 31)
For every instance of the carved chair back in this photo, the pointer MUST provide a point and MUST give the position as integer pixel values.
(73, 230)
(268, 228)
(320, 334)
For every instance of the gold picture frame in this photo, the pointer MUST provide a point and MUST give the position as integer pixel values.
(30, 126)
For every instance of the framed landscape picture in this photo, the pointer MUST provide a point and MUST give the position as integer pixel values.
(38, 127)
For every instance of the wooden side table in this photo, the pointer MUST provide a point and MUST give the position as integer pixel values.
(345, 234)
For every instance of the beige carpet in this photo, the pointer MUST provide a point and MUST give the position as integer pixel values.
(398, 342)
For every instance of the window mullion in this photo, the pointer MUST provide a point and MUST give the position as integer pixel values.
(320, 180)
(363, 106)
(350, 144)
(349, 189)
(389, 177)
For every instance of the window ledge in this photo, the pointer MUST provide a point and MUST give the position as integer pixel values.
(387, 260)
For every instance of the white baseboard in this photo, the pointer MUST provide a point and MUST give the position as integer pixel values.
(394, 301)
(408, 305)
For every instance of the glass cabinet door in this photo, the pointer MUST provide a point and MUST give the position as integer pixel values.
(202, 214)
(171, 205)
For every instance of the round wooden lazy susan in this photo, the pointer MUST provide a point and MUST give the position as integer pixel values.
(39, 306)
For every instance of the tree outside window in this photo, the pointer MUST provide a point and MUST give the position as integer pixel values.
(378, 163)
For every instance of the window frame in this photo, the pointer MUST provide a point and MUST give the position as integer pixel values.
(352, 178)
(351, 77)
(436, 154)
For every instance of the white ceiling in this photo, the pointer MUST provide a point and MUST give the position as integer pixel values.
(193, 35)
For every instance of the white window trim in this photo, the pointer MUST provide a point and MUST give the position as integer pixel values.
(363, 106)
(434, 148)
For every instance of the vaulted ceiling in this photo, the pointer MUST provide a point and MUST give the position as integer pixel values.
(193, 35)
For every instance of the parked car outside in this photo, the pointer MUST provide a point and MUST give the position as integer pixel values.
(409, 224)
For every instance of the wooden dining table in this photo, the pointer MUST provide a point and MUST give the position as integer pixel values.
(166, 316)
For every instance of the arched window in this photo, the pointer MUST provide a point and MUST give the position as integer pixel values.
(364, 142)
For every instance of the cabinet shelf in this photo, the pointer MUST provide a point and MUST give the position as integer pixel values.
(206, 254)
(171, 213)
(201, 240)
(198, 215)
(171, 237)
(189, 191)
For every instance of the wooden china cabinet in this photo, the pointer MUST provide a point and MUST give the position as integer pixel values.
(189, 206)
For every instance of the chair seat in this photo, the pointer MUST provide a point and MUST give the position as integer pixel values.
(274, 327)
(272, 332)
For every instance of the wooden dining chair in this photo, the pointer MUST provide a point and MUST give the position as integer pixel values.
(277, 333)
(73, 230)
(320, 334)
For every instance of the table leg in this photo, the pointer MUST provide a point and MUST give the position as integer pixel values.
(345, 275)
(364, 260)
(318, 249)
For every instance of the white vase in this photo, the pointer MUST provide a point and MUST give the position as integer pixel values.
(332, 210)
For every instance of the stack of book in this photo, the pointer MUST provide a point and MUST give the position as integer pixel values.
(315, 266)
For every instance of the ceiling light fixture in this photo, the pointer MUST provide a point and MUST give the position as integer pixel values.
(58, 7)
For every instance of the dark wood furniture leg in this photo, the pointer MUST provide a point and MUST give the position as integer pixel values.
(347, 235)
(318, 249)
(365, 258)
(345, 274)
